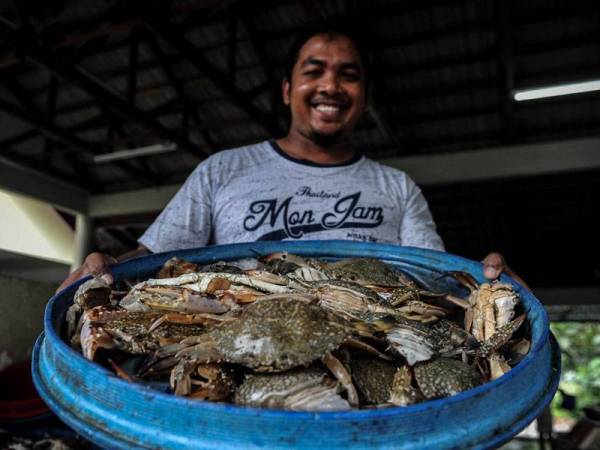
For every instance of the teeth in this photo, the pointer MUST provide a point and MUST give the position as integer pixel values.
(327, 108)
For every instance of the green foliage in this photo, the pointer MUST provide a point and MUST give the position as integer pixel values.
(580, 349)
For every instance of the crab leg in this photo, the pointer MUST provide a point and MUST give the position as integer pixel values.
(120, 372)
(203, 351)
(185, 301)
(501, 337)
(341, 374)
(153, 366)
(355, 343)
(189, 319)
(201, 281)
(180, 380)
(464, 278)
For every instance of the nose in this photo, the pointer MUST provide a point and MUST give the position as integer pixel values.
(330, 83)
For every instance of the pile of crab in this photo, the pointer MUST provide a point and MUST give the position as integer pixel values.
(288, 332)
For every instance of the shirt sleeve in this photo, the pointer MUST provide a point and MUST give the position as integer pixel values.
(418, 228)
(186, 220)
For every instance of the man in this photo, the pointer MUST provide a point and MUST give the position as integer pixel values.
(310, 184)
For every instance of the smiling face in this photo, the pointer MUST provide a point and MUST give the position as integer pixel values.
(326, 93)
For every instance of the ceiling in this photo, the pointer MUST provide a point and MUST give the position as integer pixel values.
(79, 79)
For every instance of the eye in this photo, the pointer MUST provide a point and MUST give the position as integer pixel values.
(313, 73)
(351, 76)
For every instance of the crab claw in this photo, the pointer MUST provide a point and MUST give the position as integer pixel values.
(464, 278)
(180, 380)
(93, 337)
(341, 374)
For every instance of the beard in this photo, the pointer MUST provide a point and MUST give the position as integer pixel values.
(326, 140)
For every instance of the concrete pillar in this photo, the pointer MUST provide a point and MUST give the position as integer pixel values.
(83, 239)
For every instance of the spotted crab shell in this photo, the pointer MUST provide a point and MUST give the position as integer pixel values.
(278, 335)
(443, 377)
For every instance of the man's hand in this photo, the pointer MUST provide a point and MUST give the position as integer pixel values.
(494, 264)
(96, 264)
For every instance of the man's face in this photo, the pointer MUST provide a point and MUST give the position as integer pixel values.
(327, 93)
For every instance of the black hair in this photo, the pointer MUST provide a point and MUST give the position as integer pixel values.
(349, 30)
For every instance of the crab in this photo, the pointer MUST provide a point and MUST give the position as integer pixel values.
(418, 341)
(308, 389)
(491, 305)
(175, 267)
(365, 271)
(443, 377)
(203, 381)
(211, 282)
(373, 378)
(359, 287)
(349, 300)
(276, 336)
(489, 318)
(115, 328)
(171, 298)
(94, 292)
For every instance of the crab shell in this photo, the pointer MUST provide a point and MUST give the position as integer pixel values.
(297, 390)
(373, 378)
(370, 272)
(443, 377)
(278, 335)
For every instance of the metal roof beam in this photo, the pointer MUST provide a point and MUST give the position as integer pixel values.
(46, 128)
(485, 56)
(75, 145)
(132, 202)
(175, 39)
(505, 66)
(51, 61)
(32, 183)
(502, 162)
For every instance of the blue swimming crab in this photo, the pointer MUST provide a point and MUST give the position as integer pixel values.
(309, 389)
(275, 336)
(114, 328)
(488, 318)
(365, 271)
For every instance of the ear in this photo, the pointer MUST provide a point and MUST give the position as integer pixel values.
(285, 91)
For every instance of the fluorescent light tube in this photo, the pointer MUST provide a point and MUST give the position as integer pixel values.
(553, 91)
(135, 152)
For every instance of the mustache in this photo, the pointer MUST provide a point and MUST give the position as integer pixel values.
(340, 99)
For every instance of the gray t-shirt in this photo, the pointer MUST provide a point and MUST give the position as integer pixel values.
(257, 192)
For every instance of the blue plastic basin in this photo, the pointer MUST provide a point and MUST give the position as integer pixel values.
(116, 414)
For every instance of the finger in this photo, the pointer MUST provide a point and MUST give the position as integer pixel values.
(493, 266)
(95, 264)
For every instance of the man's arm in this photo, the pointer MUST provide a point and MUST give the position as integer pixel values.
(98, 264)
